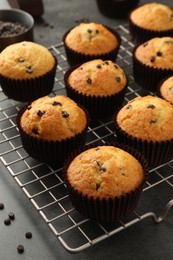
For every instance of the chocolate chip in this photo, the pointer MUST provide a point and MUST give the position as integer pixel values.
(21, 59)
(106, 62)
(97, 31)
(29, 107)
(11, 215)
(7, 221)
(129, 106)
(28, 235)
(97, 186)
(89, 31)
(103, 169)
(64, 114)
(118, 79)
(8, 28)
(29, 69)
(145, 44)
(98, 66)
(89, 81)
(116, 66)
(40, 113)
(152, 122)
(20, 249)
(152, 59)
(97, 148)
(55, 103)
(35, 131)
(159, 53)
(1, 206)
(151, 106)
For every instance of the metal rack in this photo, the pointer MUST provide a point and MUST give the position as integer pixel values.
(44, 186)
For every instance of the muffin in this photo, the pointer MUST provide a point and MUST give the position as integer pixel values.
(87, 41)
(27, 71)
(143, 25)
(165, 89)
(116, 8)
(97, 85)
(51, 128)
(152, 62)
(145, 123)
(105, 181)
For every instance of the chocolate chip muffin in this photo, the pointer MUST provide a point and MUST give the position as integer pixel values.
(52, 127)
(105, 181)
(165, 89)
(143, 25)
(152, 62)
(88, 41)
(97, 85)
(146, 124)
(27, 71)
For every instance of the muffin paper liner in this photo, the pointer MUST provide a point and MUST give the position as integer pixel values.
(97, 106)
(140, 35)
(116, 8)
(51, 152)
(75, 58)
(156, 153)
(159, 94)
(26, 90)
(105, 210)
(146, 76)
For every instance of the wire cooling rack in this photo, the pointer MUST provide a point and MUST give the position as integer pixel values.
(44, 186)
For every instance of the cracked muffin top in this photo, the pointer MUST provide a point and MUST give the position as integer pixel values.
(157, 53)
(53, 118)
(146, 16)
(91, 38)
(148, 118)
(98, 78)
(105, 172)
(25, 60)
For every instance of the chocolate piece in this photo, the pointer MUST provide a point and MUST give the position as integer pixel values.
(65, 114)
(1, 206)
(20, 249)
(9, 28)
(29, 107)
(145, 44)
(152, 59)
(28, 235)
(35, 131)
(129, 106)
(99, 66)
(151, 106)
(89, 81)
(103, 169)
(40, 113)
(11, 215)
(97, 186)
(159, 53)
(7, 221)
(106, 62)
(118, 79)
(21, 59)
(55, 103)
(29, 69)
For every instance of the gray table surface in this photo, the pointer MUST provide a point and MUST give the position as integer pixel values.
(145, 240)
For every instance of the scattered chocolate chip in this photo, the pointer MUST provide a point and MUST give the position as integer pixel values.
(145, 44)
(152, 59)
(9, 28)
(55, 103)
(40, 113)
(129, 106)
(64, 114)
(89, 81)
(7, 221)
(29, 107)
(151, 106)
(28, 235)
(11, 215)
(97, 186)
(1, 206)
(118, 79)
(159, 53)
(98, 66)
(20, 249)
(35, 131)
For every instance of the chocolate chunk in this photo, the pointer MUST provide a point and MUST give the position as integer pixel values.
(97, 148)
(106, 62)
(29, 107)
(55, 103)
(20, 249)
(151, 106)
(89, 31)
(116, 66)
(152, 122)
(29, 69)
(40, 113)
(103, 169)
(64, 114)
(129, 106)
(35, 131)
(118, 79)
(7, 221)
(89, 81)
(145, 44)
(159, 53)
(152, 59)
(9, 28)
(97, 31)
(1, 206)
(11, 215)
(97, 186)
(28, 235)
(98, 66)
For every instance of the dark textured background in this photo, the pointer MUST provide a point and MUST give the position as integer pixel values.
(144, 240)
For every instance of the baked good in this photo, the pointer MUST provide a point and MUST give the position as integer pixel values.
(146, 124)
(23, 74)
(152, 62)
(97, 85)
(105, 181)
(165, 89)
(116, 8)
(88, 40)
(151, 20)
(52, 127)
